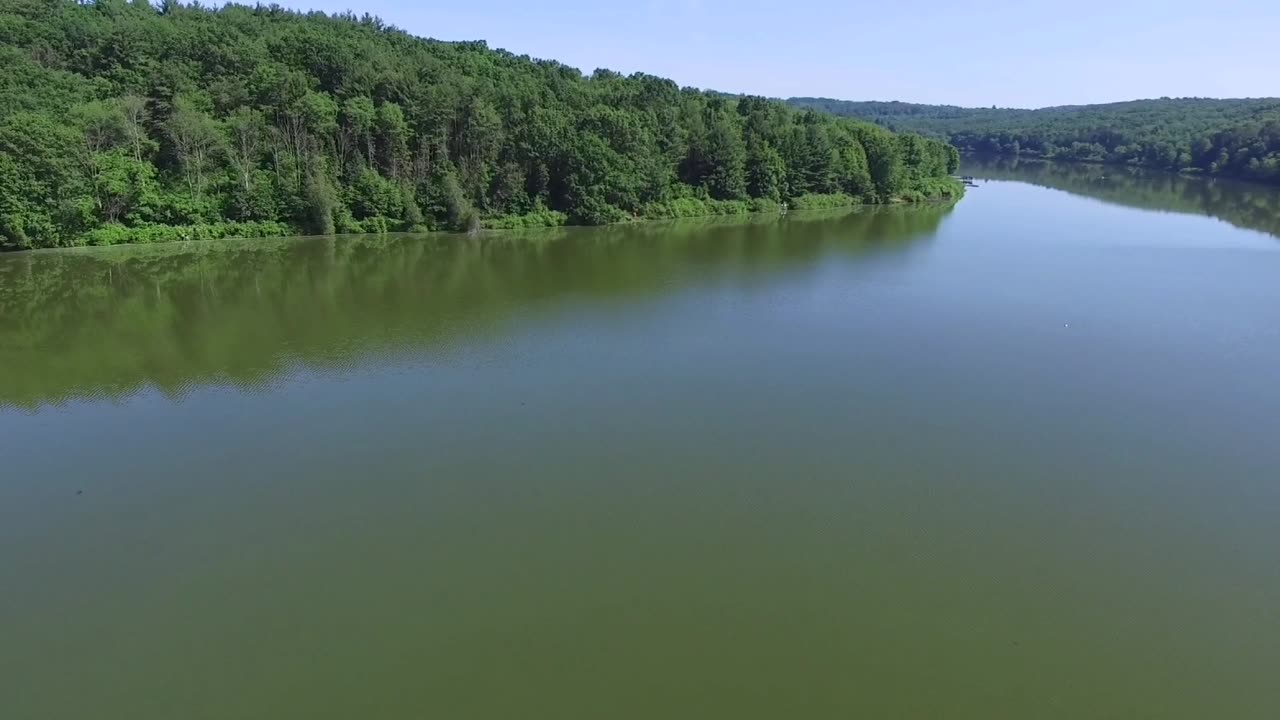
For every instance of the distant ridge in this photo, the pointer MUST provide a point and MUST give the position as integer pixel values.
(1237, 137)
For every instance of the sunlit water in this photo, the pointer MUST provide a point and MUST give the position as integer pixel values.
(1012, 459)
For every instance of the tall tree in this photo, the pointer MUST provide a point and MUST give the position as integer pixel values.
(196, 139)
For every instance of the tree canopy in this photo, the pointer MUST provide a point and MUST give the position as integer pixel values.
(121, 121)
(1233, 138)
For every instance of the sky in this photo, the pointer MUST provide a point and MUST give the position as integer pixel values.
(959, 52)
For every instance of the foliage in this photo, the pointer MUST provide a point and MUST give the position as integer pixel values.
(538, 218)
(694, 207)
(118, 117)
(1233, 138)
(822, 202)
(113, 234)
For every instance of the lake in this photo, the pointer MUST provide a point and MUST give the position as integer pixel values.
(1011, 458)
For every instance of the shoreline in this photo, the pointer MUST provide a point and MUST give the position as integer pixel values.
(1183, 172)
(777, 211)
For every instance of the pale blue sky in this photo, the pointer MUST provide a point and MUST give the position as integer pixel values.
(964, 52)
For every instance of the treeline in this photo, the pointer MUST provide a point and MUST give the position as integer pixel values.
(1232, 138)
(124, 122)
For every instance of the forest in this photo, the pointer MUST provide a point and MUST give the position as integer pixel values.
(1230, 138)
(124, 122)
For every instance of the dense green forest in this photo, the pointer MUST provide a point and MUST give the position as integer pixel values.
(1234, 138)
(126, 122)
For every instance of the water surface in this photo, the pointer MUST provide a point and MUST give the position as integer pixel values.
(1014, 458)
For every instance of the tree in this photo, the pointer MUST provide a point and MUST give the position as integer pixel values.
(724, 159)
(393, 141)
(374, 196)
(136, 117)
(196, 139)
(246, 142)
(321, 204)
(765, 170)
(853, 169)
(884, 162)
(125, 188)
(359, 118)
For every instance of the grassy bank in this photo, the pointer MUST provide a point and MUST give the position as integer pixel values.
(926, 191)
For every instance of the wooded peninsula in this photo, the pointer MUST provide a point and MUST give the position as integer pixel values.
(124, 122)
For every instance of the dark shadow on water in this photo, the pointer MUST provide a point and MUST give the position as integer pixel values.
(108, 323)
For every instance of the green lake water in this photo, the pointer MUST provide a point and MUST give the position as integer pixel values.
(1012, 458)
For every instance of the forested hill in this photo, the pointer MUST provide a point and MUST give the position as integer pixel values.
(1238, 138)
(124, 122)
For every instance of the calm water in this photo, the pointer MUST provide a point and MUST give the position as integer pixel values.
(1012, 459)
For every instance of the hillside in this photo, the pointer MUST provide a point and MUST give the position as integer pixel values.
(124, 122)
(1237, 138)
